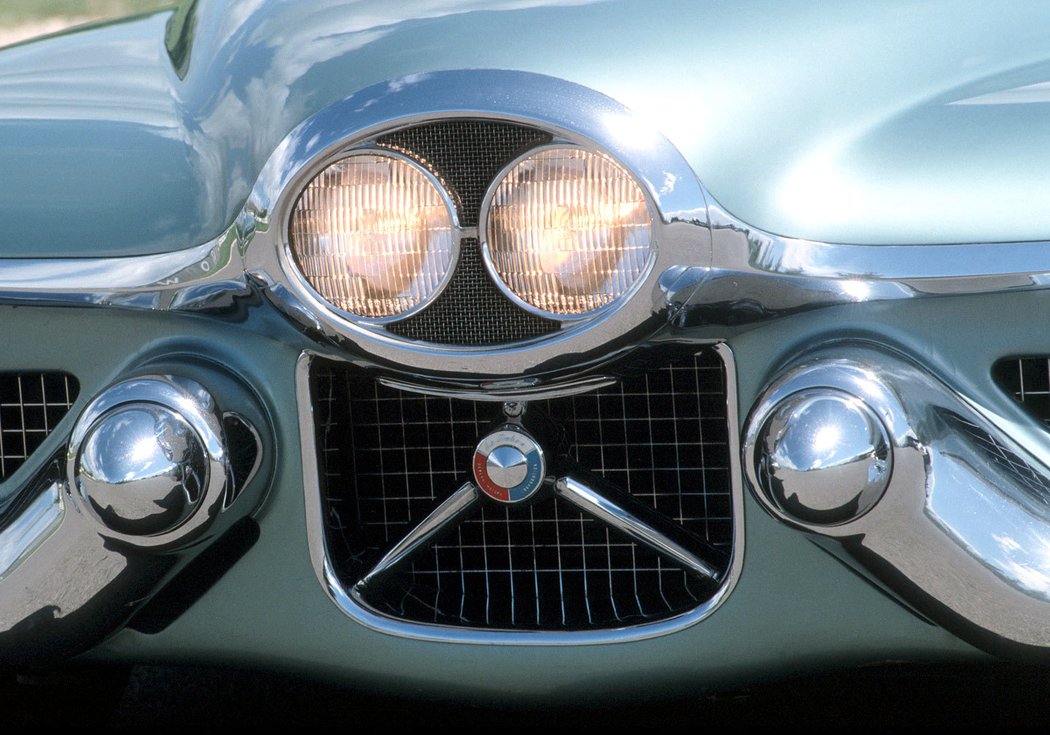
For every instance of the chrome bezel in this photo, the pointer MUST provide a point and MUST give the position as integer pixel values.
(350, 602)
(506, 290)
(567, 113)
(300, 281)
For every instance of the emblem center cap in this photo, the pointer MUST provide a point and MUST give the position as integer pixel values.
(509, 465)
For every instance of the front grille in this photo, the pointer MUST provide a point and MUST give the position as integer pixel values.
(468, 155)
(388, 457)
(31, 404)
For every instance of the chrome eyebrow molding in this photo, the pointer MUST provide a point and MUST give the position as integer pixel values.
(187, 279)
(712, 269)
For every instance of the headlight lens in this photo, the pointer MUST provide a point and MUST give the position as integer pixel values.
(374, 235)
(567, 231)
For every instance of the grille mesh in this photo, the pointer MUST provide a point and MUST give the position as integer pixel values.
(472, 311)
(467, 155)
(31, 404)
(1027, 379)
(998, 454)
(389, 457)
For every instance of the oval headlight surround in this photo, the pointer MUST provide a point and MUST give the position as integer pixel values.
(375, 235)
(566, 232)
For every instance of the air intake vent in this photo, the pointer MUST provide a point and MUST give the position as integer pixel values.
(388, 458)
(1027, 379)
(31, 405)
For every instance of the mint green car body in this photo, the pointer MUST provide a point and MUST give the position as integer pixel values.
(893, 123)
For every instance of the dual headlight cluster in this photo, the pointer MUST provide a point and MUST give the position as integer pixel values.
(564, 232)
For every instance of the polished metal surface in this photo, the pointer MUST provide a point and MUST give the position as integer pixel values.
(446, 515)
(142, 469)
(352, 604)
(571, 114)
(507, 466)
(823, 456)
(141, 492)
(183, 280)
(149, 460)
(509, 392)
(37, 521)
(662, 540)
(962, 526)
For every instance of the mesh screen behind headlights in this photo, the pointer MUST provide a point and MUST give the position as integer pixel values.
(567, 231)
(374, 235)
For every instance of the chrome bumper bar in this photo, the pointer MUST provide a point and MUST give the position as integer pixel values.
(955, 518)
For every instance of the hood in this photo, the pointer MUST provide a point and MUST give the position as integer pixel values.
(875, 123)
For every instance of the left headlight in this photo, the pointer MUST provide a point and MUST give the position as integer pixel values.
(375, 235)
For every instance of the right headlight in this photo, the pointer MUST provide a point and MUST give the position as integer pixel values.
(566, 231)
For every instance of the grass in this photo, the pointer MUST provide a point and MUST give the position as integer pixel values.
(29, 11)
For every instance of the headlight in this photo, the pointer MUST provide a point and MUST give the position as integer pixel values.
(375, 235)
(567, 231)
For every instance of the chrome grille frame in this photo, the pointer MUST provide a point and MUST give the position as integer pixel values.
(350, 601)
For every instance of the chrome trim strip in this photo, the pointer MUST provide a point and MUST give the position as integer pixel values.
(598, 505)
(962, 528)
(504, 392)
(381, 623)
(20, 538)
(179, 280)
(711, 269)
(449, 513)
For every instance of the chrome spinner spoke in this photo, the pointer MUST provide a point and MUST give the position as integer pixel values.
(642, 524)
(446, 515)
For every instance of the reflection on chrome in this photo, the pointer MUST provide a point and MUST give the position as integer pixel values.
(142, 469)
(451, 512)
(962, 530)
(824, 456)
(664, 538)
(91, 538)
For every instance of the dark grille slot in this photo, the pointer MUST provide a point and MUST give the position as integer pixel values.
(1027, 379)
(388, 457)
(31, 405)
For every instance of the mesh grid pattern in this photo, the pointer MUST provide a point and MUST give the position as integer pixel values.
(467, 155)
(31, 404)
(661, 435)
(1021, 471)
(472, 311)
(1027, 379)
